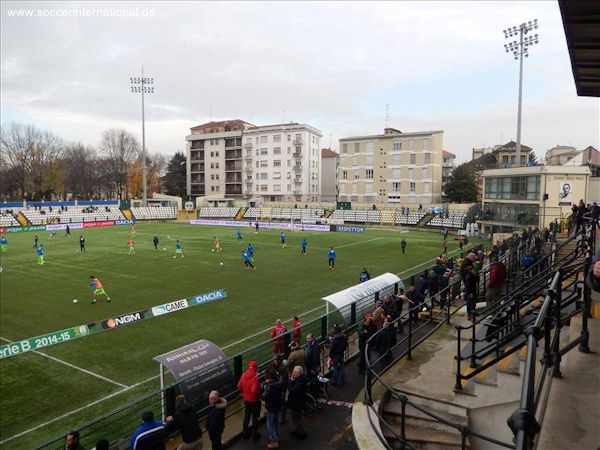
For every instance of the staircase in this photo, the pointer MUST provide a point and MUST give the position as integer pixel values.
(425, 220)
(22, 219)
(127, 213)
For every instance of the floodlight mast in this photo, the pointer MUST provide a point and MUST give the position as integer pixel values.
(140, 85)
(520, 49)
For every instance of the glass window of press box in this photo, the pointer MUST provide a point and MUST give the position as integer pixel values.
(513, 213)
(513, 188)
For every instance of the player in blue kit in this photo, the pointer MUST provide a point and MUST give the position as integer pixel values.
(238, 234)
(40, 254)
(331, 258)
(282, 240)
(247, 261)
(303, 245)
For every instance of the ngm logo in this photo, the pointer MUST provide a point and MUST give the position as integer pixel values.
(122, 320)
(204, 298)
(169, 307)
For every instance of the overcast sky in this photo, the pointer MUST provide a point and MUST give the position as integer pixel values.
(333, 65)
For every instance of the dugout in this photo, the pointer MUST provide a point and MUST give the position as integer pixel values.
(355, 301)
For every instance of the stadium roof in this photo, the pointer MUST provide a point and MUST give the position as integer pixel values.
(581, 21)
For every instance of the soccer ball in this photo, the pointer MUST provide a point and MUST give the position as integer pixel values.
(213, 250)
(221, 263)
(75, 300)
(164, 249)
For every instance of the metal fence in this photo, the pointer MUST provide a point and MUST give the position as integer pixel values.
(117, 425)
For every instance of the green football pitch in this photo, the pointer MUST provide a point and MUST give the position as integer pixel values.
(46, 393)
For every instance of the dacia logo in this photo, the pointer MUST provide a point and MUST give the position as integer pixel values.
(209, 297)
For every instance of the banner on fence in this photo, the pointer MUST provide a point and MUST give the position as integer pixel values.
(68, 334)
(20, 229)
(269, 225)
(348, 229)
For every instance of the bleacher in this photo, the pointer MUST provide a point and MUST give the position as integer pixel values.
(225, 212)
(358, 216)
(154, 212)
(454, 220)
(297, 214)
(73, 214)
(410, 218)
(7, 220)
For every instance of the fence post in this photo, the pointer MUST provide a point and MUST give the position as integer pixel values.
(323, 328)
(409, 354)
(237, 367)
(584, 345)
(558, 325)
(403, 401)
(353, 313)
(473, 341)
(458, 385)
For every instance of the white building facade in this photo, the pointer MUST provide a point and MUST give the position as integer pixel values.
(282, 162)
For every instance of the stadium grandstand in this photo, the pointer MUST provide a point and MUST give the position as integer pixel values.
(154, 212)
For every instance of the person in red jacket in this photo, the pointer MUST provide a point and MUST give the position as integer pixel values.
(297, 333)
(278, 337)
(496, 281)
(249, 386)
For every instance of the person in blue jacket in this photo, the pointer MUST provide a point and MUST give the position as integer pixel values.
(331, 258)
(150, 434)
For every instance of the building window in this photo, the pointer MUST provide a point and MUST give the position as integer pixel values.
(264, 164)
(344, 148)
(413, 158)
(276, 188)
(425, 173)
(369, 148)
(344, 174)
(289, 163)
(212, 176)
(276, 175)
(276, 138)
(426, 187)
(277, 150)
(396, 187)
(355, 160)
(411, 145)
(264, 139)
(370, 174)
(397, 146)
(413, 187)
(248, 140)
(425, 144)
(216, 165)
(356, 176)
(277, 163)
(212, 165)
(427, 158)
(264, 151)
(264, 176)
(356, 147)
(369, 160)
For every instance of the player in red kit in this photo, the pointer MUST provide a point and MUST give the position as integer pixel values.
(278, 336)
(297, 333)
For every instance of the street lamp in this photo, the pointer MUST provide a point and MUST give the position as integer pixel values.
(140, 85)
(520, 49)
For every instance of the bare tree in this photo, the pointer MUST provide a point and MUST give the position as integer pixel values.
(15, 144)
(82, 177)
(121, 148)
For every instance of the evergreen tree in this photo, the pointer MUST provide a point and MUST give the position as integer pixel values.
(461, 187)
(175, 180)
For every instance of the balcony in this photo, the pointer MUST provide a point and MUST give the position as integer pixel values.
(197, 155)
(234, 142)
(233, 154)
(233, 178)
(297, 155)
(249, 181)
(233, 166)
(297, 141)
(249, 169)
(197, 178)
(298, 181)
(197, 167)
(197, 145)
(297, 168)
(248, 145)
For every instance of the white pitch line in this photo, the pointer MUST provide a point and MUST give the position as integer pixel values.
(359, 242)
(73, 366)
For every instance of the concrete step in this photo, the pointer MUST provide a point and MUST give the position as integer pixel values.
(414, 417)
(433, 402)
(509, 365)
(488, 376)
(427, 439)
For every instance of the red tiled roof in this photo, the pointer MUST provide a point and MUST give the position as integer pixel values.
(448, 154)
(222, 123)
(328, 153)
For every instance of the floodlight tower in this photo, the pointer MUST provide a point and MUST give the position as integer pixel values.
(520, 49)
(140, 85)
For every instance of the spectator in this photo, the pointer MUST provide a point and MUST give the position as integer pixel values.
(278, 337)
(150, 435)
(185, 420)
(496, 281)
(579, 218)
(385, 340)
(297, 331)
(339, 344)
(378, 314)
(312, 356)
(296, 358)
(414, 302)
(215, 419)
(390, 308)
(272, 393)
(471, 280)
(593, 277)
(102, 444)
(72, 441)
(444, 283)
(365, 330)
(249, 386)
(295, 400)
(283, 372)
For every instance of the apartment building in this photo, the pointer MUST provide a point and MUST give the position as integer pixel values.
(560, 154)
(282, 162)
(214, 159)
(329, 175)
(447, 167)
(393, 167)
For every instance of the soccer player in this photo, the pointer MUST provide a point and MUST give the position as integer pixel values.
(155, 241)
(282, 240)
(217, 244)
(303, 245)
(364, 275)
(445, 245)
(98, 289)
(403, 246)
(40, 254)
(68, 231)
(238, 234)
(297, 332)
(132, 231)
(461, 241)
(250, 251)
(331, 258)
(278, 337)
(4, 244)
(247, 261)
(82, 244)
(256, 226)
(35, 241)
(52, 234)
(178, 250)
(131, 245)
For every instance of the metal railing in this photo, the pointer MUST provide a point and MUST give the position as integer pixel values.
(525, 421)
